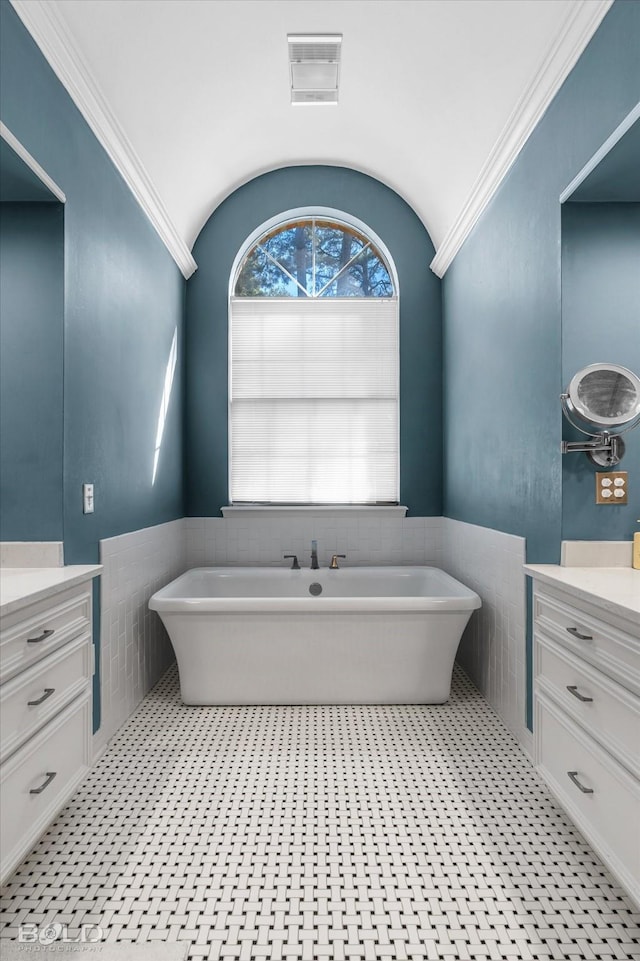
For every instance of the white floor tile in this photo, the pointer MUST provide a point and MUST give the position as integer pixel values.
(327, 832)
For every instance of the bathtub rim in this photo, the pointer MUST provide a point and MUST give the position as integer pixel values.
(466, 600)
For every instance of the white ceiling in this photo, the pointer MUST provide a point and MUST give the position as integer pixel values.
(436, 96)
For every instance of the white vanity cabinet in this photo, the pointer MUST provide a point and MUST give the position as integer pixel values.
(46, 670)
(587, 706)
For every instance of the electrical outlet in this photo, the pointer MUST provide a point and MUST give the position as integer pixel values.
(87, 498)
(611, 488)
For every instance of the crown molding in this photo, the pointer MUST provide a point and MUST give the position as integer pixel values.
(579, 25)
(47, 27)
(31, 162)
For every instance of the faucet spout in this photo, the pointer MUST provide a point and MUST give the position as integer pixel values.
(314, 556)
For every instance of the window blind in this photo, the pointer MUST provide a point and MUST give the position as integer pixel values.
(314, 401)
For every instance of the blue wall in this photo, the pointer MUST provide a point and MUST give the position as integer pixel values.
(123, 301)
(502, 308)
(17, 181)
(31, 331)
(420, 325)
(124, 298)
(501, 356)
(600, 322)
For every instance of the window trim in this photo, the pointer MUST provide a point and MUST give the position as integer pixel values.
(359, 511)
(281, 219)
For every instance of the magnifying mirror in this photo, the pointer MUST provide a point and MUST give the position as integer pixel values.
(605, 400)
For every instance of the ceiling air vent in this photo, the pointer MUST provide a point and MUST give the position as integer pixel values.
(313, 96)
(314, 66)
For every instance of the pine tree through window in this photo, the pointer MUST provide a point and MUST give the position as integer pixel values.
(313, 258)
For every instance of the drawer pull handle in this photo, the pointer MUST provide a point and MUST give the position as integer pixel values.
(576, 633)
(48, 779)
(48, 691)
(42, 637)
(573, 689)
(573, 776)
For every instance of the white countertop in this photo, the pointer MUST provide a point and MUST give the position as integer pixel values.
(20, 586)
(616, 589)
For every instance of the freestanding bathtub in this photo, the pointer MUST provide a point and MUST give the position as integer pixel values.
(359, 635)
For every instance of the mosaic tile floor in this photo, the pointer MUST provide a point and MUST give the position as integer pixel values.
(322, 834)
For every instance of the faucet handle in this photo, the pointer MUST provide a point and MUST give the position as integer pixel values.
(333, 566)
(295, 566)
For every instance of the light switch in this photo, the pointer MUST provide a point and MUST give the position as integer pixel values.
(87, 498)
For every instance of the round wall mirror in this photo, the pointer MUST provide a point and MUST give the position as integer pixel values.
(605, 396)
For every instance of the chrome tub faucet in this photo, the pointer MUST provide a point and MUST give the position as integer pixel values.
(314, 556)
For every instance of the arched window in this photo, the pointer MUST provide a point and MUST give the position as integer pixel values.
(313, 366)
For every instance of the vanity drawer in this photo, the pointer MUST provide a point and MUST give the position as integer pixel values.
(608, 712)
(32, 698)
(30, 795)
(601, 797)
(35, 631)
(610, 650)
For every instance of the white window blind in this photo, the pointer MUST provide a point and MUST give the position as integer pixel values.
(314, 401)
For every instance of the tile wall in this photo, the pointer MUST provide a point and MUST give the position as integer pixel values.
(493, 647)
(364, 539)
(134, 648)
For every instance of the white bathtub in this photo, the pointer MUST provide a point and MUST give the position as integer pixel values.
(374, 635)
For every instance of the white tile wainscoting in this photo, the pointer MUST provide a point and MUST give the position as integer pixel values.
(135, 649)
(364, 538)
(493, 647)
